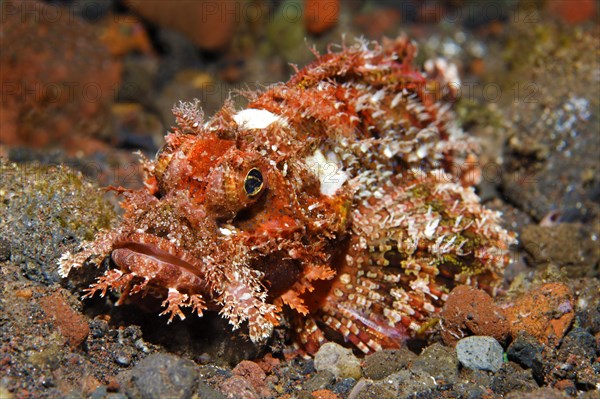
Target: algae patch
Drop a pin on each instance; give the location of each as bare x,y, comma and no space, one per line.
46,210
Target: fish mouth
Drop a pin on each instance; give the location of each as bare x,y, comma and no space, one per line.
157,255
160,261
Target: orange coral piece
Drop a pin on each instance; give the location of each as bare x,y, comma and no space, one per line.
72,325
545,313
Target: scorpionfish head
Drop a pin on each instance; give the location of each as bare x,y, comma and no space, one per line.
228,221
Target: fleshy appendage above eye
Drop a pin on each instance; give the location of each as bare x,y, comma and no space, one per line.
253,183
234,184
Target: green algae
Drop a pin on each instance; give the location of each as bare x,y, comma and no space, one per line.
46,210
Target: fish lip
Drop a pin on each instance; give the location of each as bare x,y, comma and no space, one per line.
162,250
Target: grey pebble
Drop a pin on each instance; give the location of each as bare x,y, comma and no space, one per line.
122,359
383,363
161,376
340,361
438,361
480,353
525,350
343,387
4,250
321,380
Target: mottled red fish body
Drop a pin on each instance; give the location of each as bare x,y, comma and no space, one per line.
339,200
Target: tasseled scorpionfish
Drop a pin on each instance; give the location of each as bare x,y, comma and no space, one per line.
332,200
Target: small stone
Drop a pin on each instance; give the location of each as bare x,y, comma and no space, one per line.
71,324
122,359
98,393
343,387
577,355
254,375
438,361
588,305
478,377
25,293
239,387
338,360
4,250
321,380
267,363
480,353
211,371
306,366
204,358
303,395
511,377
141,345
546,313
160,376
525,350
367,389
383,363
579,342
469,390
206,391
409,382
98,328
546,244
471,311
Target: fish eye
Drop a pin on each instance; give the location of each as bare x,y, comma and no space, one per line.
253,183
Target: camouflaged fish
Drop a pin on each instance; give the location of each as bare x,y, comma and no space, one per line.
340,201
